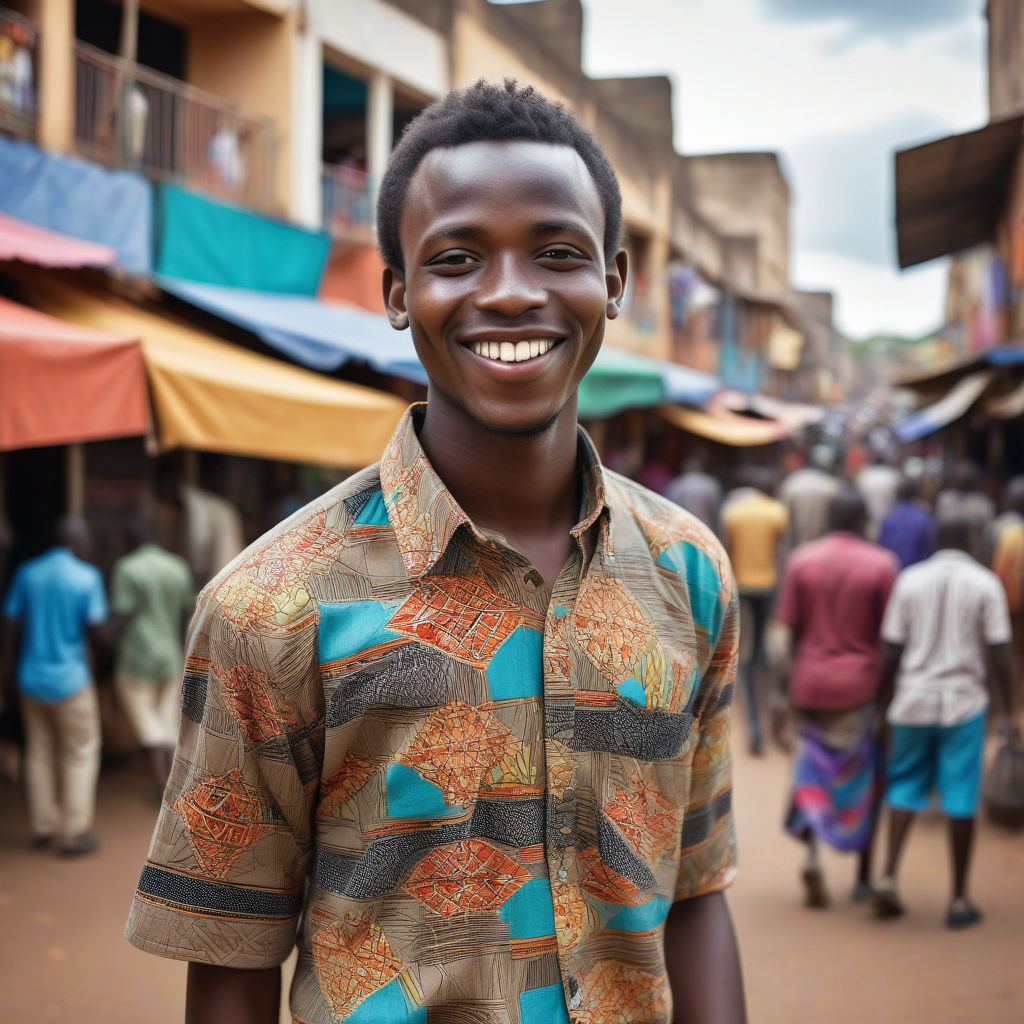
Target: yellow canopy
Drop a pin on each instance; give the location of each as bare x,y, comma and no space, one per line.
724,426
214,396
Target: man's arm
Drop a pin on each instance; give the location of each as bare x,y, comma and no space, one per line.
230,995
8,649
891,655
1002,675
703,962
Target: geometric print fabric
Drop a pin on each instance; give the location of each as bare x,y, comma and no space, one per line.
571,747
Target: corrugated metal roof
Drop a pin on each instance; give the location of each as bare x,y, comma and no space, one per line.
949,193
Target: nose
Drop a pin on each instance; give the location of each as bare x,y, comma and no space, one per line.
509,287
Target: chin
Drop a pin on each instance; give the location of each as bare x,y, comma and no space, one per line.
509,423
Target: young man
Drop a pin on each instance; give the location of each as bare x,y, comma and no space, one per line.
476,698
52,610
908,531
754,530
946,619
829,616
151,595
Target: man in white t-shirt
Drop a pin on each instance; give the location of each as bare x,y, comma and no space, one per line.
946,617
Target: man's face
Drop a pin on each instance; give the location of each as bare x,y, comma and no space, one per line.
505,285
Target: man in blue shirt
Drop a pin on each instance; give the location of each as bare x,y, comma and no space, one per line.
54,604
908,531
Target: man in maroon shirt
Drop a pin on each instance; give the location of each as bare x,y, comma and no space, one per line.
828,620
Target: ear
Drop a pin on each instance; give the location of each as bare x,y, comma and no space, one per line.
393,288
615,281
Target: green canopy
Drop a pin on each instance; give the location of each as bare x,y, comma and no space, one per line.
200,239
619,381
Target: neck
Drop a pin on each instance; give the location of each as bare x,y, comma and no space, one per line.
520,486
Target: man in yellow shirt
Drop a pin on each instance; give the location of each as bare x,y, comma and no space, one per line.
754,528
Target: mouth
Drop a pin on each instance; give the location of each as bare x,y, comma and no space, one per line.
513,351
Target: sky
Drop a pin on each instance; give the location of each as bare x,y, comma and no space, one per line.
835,87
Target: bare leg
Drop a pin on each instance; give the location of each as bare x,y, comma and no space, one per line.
961,832
899,827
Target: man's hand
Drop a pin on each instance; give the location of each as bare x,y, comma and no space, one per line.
781,724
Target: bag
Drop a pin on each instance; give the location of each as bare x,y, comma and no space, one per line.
1003,790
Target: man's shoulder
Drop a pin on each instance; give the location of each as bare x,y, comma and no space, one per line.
268,587
874,556
665,524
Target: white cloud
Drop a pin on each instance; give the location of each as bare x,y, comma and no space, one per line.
746,81
873,299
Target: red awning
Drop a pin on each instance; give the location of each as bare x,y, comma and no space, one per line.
61,383
20,240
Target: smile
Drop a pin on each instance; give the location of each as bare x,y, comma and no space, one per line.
513,351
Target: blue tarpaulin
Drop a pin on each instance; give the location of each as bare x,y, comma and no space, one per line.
324,336
317,334
80,199
200,239
954,404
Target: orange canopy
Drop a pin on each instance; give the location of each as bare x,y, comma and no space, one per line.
61,383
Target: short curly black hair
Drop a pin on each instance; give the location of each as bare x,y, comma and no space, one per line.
487,112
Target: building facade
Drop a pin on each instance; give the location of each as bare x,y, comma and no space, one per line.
291,110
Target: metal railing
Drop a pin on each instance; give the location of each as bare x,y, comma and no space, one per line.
19,42
169,130
349,197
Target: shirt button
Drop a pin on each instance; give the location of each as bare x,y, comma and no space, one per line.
563,874
565,830
569,795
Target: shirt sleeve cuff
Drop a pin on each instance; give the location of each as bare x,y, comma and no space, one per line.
185,918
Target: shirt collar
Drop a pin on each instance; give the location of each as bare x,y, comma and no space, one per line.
425,516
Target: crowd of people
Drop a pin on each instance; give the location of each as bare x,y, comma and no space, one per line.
874,624
877,623
62,632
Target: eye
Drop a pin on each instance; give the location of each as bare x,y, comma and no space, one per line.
563,253
453,258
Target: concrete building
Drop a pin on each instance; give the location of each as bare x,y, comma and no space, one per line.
292,109
198,94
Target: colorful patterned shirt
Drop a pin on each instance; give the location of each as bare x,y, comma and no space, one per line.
494,793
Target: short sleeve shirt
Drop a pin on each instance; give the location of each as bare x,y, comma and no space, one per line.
55,598
754,526
495,793
944,612
153,588
833,596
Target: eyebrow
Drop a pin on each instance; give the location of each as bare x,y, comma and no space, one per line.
464,232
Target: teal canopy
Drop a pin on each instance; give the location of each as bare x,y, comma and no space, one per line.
203,240
621,380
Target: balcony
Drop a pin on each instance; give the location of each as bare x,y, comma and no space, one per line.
18,66
349,196
171,131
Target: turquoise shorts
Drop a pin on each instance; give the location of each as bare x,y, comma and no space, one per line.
947,759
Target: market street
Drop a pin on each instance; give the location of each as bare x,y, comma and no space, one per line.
64,957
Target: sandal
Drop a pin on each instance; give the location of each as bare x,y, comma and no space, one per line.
962,914
885,900
815,893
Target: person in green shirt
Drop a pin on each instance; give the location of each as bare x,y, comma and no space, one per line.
151,597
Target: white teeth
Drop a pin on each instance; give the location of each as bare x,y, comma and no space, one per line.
513,351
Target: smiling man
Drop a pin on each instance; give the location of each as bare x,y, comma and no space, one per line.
461,725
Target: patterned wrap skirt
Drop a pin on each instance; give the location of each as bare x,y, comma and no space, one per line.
838,777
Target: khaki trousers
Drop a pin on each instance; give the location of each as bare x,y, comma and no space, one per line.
62,743
152,707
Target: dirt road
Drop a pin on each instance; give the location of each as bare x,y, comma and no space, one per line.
64,958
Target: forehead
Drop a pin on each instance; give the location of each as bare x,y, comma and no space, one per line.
501,182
